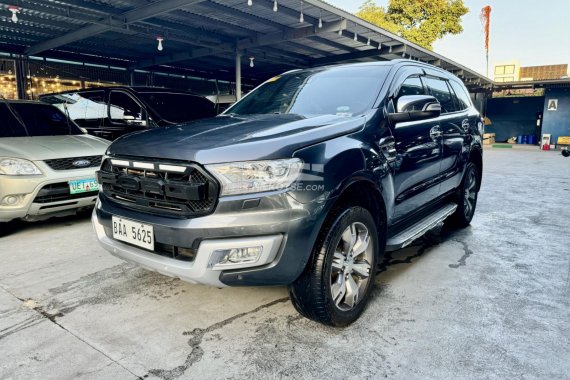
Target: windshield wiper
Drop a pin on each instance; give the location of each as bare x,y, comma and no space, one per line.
14,113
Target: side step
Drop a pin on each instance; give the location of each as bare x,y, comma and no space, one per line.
415,231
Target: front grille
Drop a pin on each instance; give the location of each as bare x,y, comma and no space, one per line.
56,192
172,189
74,163
174,252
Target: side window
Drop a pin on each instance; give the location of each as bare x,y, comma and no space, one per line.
462,97
411,86
123,109
439,89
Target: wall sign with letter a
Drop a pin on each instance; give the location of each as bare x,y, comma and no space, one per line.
552,104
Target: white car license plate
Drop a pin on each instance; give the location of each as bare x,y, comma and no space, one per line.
136,233
83,186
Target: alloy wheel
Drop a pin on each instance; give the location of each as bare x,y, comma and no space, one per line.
470,193
351,268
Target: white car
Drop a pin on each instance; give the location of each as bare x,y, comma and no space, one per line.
47,163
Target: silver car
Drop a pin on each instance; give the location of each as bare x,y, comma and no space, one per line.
47,163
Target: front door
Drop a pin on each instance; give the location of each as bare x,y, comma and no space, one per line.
418,155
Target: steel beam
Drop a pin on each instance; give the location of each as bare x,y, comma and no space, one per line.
370,53
270,39
238,75
120,21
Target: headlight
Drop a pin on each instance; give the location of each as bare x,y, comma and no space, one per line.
256,176
18,166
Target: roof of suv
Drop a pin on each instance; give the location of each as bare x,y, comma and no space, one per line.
394,62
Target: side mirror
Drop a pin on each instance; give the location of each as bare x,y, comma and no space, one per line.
415,107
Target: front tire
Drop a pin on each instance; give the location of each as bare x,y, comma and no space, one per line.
336,285
466,197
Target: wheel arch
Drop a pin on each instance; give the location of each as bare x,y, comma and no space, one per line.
476,157
364,193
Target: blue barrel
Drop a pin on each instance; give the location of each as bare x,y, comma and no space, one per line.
524,139
532,139
519,139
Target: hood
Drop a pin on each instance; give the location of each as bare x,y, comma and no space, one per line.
235,138
37,148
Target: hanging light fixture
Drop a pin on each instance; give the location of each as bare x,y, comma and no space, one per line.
301,16
379,45
15,10
251,64
355,36
275,7
160,39
389,51
340,28
320,19
250,2
368,41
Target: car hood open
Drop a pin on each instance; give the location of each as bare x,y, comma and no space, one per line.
50,147
235,138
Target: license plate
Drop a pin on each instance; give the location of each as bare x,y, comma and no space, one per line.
136,233
83,186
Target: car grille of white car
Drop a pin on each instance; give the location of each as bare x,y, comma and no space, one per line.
71,163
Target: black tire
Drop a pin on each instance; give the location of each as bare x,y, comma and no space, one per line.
336,261
466,198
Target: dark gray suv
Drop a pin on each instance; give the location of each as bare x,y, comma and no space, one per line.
305,182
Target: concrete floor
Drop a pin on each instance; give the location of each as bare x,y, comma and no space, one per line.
490,301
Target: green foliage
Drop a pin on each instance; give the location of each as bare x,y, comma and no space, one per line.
420,21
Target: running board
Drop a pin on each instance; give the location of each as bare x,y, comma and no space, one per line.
417,230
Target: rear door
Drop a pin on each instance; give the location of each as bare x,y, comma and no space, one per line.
418,149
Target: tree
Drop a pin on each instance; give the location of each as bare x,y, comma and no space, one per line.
420,21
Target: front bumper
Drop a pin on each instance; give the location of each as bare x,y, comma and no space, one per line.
27,189
287,230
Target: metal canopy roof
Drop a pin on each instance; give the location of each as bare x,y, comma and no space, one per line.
203,36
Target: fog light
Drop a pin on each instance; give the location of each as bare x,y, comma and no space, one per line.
226,257
11,200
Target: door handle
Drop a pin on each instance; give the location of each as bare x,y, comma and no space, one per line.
388,148
436,132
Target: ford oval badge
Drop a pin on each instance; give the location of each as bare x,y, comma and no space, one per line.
81,163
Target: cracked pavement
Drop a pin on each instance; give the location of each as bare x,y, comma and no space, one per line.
490,301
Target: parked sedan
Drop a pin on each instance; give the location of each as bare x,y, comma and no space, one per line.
47,163
111,112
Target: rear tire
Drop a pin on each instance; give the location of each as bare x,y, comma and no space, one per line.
336,284
466,198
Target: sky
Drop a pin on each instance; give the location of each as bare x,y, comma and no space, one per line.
533,32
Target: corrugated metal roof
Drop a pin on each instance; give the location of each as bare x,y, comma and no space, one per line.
204,35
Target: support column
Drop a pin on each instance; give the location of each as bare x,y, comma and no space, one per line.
238,75
20,71
131,77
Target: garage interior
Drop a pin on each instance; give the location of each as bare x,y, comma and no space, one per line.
492,299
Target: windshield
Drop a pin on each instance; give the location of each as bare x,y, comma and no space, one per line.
39,120
342,91
178,107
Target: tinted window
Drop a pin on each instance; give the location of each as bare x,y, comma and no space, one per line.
123,109
177,107
340,91
38,120
463,99
412,86
438,88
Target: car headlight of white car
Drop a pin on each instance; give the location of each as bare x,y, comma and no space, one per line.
256,176
18,166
